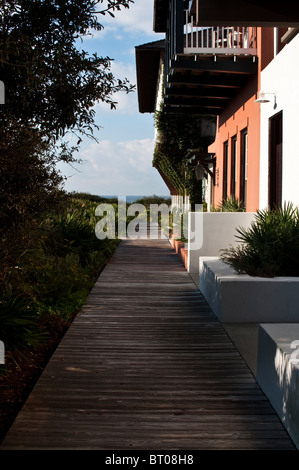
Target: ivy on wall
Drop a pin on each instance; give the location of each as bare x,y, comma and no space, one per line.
193,187
171,169
178,133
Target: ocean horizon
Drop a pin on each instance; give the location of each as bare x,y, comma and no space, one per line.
131,199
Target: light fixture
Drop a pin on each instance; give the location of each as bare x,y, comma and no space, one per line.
199,171
263,98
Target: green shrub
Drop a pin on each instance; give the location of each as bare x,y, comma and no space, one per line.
49,281
230,205
59,273
19,327
148,200
270,247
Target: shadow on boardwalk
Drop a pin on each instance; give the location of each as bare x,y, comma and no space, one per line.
146,365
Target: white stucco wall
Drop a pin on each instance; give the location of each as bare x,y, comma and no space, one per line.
213,231
282,76
159,92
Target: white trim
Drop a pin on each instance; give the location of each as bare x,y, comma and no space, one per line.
218,50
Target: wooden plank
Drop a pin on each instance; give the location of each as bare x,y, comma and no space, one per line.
146,365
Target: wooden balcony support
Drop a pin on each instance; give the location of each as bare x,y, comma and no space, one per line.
198,59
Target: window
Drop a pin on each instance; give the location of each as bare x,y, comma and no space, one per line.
225,170
243,167
233,179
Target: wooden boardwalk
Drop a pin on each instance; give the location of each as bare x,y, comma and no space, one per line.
146,365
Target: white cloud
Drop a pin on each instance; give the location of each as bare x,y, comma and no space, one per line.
137,19
122,162
123,168
125,155
126,102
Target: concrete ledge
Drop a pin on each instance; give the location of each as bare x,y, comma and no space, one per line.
278,372
215,231
236,298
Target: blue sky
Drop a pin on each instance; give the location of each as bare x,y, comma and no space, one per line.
121,162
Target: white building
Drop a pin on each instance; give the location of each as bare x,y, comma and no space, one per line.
279,138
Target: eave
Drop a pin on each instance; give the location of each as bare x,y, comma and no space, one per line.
205,85
264,13
173,191
148,58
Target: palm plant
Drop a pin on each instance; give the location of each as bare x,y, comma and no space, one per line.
270,246
230,205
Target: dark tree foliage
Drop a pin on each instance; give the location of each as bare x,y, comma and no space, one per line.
51,87
30,184
49,82
30,189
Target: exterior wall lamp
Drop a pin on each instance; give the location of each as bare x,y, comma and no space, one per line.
263,98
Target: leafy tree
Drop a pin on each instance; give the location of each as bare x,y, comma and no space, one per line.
30,184
50,83
30,188
51,89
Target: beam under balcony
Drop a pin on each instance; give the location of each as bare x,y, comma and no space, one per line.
214,64
205,84
265,13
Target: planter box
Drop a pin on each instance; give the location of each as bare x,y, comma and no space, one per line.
216,231
278,372
236,298
181,250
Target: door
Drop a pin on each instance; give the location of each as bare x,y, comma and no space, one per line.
243,167
275,161
233,179
225,172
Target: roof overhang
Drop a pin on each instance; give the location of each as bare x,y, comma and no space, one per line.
173,191
148,58
205,85
235,12
160,15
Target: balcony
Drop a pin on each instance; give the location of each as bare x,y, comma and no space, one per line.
219,40
264,13
205,66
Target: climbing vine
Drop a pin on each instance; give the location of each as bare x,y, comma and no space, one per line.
170,168
193,187
178,133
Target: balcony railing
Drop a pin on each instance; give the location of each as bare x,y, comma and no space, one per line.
215,40
218,40
185,36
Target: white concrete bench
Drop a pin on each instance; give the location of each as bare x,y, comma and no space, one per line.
216,231
278,372
236,298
